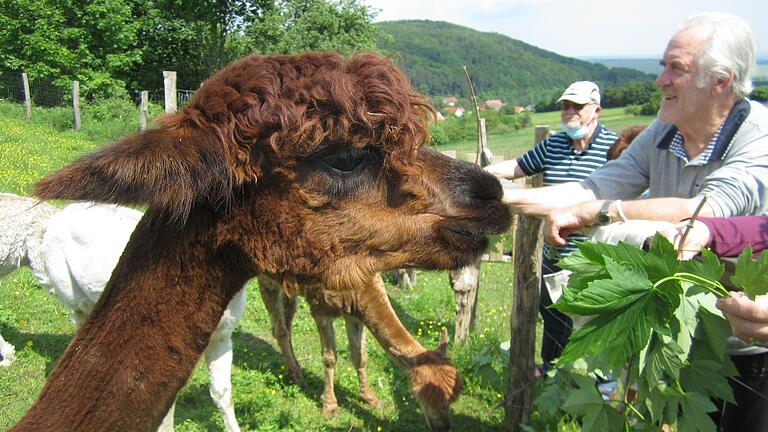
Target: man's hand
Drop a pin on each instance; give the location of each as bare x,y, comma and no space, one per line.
559,224
749,319
697,239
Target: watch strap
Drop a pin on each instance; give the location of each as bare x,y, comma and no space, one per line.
604,216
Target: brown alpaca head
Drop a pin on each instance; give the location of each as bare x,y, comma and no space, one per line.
625,139
435,382
312,166
308,168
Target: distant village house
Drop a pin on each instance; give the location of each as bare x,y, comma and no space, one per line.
456,111
494,104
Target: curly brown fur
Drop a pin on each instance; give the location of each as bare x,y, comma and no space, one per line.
625,139
240,123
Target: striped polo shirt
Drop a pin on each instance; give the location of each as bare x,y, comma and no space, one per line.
556,158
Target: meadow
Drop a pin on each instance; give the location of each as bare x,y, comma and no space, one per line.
513,144
265,399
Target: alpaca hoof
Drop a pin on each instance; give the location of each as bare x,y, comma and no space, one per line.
298,379
330,409
371,400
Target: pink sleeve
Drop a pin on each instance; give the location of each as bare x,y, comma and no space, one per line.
729,236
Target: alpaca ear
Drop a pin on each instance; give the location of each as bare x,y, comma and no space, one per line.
406,361
164,168
442,346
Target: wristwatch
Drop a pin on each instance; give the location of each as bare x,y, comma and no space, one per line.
604,217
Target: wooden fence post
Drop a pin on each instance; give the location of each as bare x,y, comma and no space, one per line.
143,109
466,281
169,81
498,253
518,401
27,97
76,103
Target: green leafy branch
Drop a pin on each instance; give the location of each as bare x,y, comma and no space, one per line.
652,321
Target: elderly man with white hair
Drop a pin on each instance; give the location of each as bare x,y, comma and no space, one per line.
709,140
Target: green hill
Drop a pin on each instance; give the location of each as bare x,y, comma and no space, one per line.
647,65
432,54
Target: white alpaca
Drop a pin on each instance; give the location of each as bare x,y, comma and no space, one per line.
72,252
23,224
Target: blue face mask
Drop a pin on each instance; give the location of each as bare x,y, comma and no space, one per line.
579,132
576,133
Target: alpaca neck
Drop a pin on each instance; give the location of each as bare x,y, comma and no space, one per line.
375,311
145,335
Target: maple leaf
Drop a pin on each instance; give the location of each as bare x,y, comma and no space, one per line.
597,414
750,275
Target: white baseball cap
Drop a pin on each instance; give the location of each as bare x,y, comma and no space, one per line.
581,92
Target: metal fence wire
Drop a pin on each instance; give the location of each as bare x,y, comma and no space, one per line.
43,91
182,97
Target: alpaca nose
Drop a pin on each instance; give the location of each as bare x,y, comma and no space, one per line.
470,184
439,422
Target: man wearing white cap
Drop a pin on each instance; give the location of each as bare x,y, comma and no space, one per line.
567,156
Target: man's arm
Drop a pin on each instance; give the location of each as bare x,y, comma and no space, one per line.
561,222
508,169
540,201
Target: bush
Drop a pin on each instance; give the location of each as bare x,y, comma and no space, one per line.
105,119
651,107
633,109
760,94
437,135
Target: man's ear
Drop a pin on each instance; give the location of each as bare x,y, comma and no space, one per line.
723,83
171,169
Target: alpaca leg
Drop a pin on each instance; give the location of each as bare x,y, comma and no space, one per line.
434,381
7,353
356,339
328,344
218,355
167,424
281,310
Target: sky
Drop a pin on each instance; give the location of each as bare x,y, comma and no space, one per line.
579,28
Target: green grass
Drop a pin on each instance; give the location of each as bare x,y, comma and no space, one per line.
265,400
37,324
516,143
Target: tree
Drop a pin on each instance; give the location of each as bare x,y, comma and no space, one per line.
111,45
92,41
293,26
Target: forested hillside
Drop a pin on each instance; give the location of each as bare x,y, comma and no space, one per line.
432,53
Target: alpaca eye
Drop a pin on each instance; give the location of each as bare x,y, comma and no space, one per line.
346,160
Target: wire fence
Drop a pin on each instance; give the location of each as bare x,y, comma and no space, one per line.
50,93
44,92
158,96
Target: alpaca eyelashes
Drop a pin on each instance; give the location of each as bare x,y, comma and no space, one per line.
344,162
339,171
348,160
